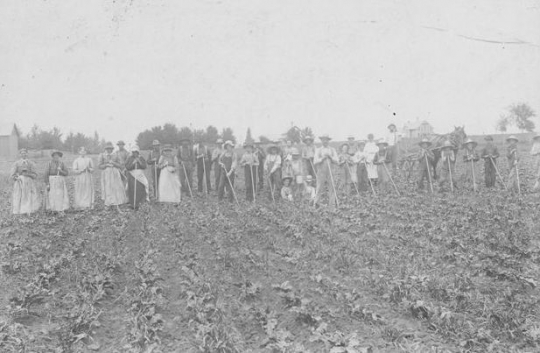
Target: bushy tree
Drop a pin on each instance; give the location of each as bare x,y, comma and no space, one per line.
520,115
228,134
212,134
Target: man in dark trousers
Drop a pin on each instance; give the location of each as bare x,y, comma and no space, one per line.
490,155
260,168
187,160
152,161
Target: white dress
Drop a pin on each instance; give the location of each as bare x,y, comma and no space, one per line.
84,183
370,150
26,198
169,182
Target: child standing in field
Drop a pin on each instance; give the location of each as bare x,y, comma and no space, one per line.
535,153
513,159
309,191
26,198
425,159
470,158
448,159
383,161
490,155
286,190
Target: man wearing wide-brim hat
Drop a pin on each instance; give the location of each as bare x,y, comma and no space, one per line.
152,161
490,154
203,160
360,159
325,158
216,152
308,153
272,170
425,160
382,160
261,155
186,159
470,157
122,153
448,160
512,155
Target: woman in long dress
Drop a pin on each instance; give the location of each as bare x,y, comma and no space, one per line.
370,150
112,186
169,182
137,182
55,180
83,167
26,198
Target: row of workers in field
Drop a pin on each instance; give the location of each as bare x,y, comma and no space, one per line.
290,172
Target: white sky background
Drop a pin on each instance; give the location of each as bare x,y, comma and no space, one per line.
341,66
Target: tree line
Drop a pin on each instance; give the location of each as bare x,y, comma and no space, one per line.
54,139
171,134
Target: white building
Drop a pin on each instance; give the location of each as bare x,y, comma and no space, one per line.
416,129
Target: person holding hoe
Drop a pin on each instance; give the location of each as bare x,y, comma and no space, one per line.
272,168
112,185
535,153
169,182
227,162
137,183
361,167
286,190
512,155
489,155
83,167
308,153
186,160
55,180
26,198
204,166
425,158
261,155
470,158
382,161
326,157
216,153
250,162
448,158
152,161
346,162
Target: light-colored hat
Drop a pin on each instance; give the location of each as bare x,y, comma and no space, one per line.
287,177
23,150
344,145
391,124
271,147
425,141
382,142
167,148
59,153
361,142
350,137
295,151
309,178
447,145
325,137
184,140
155,143
120,143
249,144
228,143
469,141
135,149
310,138
109,145
512,137
219,141
82,150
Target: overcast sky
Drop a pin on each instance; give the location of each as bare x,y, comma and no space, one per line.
342,66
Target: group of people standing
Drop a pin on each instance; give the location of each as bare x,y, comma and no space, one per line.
293,173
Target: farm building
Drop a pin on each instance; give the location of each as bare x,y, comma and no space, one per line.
9,141
416,129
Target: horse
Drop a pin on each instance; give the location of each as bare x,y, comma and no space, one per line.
456,138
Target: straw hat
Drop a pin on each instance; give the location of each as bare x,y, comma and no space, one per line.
425,141
82,150
512,138
325,137
391,124
25,150
155,143
469,141
109,145
309,179
120,143
287,177
382,142
447,145
220,141
228,143
271,147
295,151
167,148
59,153
135,149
